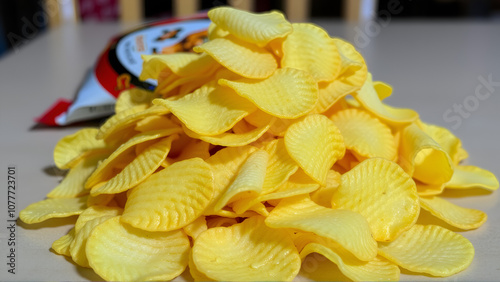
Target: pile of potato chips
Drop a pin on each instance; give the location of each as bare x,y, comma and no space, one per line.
270,143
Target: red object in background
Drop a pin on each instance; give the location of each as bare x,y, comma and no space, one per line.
100,10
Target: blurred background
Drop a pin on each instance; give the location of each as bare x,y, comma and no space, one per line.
23,20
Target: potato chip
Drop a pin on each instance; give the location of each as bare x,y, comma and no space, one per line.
463,218
194,149
73,184
100,200
196,227
425,189
209,111
153,123
396,117
468,176
429,249
149,255
195,273
376,188
214,31
288,93
315,143
323,195
423,158
70,149
365,135
248,181
123,154
349,229
53,208
181,64
124,119
254,28
377,269
94,212
449,142
310,48
277,128
232,139
133,97
171,198
79,243
240,57
246,251
138,170
61,245
353,69
280,167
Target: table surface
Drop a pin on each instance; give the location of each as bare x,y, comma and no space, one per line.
433,67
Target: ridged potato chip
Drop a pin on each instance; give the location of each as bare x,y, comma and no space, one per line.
240,57
181,63
280,166
248,181
449,142
254,28
246,251
172,198
61,245
463,218
377,269
73,184
365,135
383,193
315,143
209,111
429,249
423,158
71,148
468,176
149,255
287,93
323,195
310,48
93,212
133,97
138,170
53,208
349,229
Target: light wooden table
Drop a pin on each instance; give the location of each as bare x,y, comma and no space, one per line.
434,68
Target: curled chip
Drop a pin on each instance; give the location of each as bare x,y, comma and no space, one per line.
268,154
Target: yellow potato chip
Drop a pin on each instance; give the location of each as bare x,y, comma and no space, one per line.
194,149
61,245
349,229
423,158
73,184
180,63
278,128
396,117
468,176
53,208
138,170
323,195
377,269
232,139
149,255
315,143
365,135
79,243
123,155
353,69
425,189
214,31
171,198
429,249
376,188
449,142
94,212
310,48
254,28
280,167
288,93
463,218
133,97
196,227
100,200
209,111
153,123
70,149
240,57
123,120
195,273
246,251
248,181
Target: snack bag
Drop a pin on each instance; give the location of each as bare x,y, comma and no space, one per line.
120,64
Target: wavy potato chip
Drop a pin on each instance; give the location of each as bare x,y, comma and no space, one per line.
429,249
452,214
70,149
61,245
315,143
383,193
171,198
468,176
149,255
133,97
243,252
53,208
254,28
